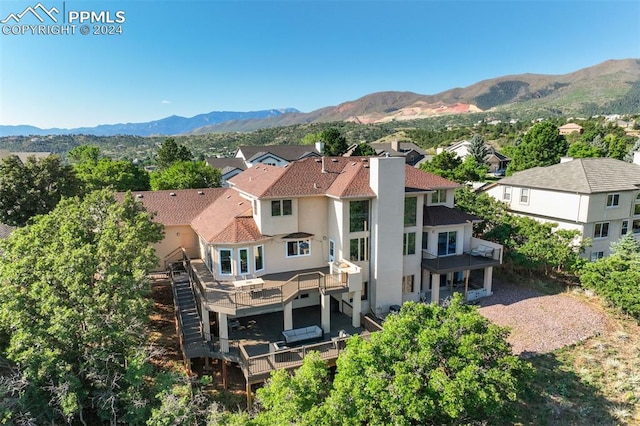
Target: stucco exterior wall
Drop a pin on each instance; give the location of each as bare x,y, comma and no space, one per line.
174,238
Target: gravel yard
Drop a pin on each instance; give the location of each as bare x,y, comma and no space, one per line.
541,323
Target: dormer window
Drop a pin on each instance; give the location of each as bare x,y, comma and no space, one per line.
281,208
439,197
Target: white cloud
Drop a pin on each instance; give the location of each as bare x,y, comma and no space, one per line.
165,102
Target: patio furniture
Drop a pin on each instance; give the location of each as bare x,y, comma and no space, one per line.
234,324
279,351
482,250
301,335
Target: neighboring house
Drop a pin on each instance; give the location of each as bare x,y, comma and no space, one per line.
5,230
494,159
277,155
229,167
344,236
570,128
23,155
599,197
411,152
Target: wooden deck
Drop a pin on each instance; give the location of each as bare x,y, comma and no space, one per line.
463,262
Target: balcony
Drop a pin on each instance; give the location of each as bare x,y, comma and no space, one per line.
475,258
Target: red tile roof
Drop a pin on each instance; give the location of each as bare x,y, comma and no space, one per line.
176,207
227,220
335,176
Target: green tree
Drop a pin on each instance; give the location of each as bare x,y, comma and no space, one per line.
170,152
73,301
470,171
363,149
185,175
616,146
97,172
335,144
84,154
294,398
311,138
478,149
443,164
33,188
541,146
584,150
430,365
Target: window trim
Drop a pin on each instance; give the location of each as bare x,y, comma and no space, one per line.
220,271
365,222
408,247
596,255
298,245
278,207
261,257
332,250
362,249
614,196
524,197
624,227
439,196
412,210
604,230
506,193
246,250
408,280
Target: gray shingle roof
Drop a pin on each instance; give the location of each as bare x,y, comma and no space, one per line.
286,152
582,175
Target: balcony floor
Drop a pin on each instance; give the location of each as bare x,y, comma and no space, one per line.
463,262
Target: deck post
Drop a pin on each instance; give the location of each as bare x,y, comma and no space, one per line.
224,375
357,308
206,324
223,332
249,396
488,279
325,315
288,315
435,288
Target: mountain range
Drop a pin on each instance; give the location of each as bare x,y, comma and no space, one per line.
610,87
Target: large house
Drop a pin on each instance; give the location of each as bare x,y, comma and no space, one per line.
272,155
599,197
494,159
411,152
356,235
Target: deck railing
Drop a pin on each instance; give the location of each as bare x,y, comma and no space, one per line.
234,299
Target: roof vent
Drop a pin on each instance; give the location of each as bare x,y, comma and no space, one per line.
315,186
200,192
139,196
228,196
173,194
334,160
240,203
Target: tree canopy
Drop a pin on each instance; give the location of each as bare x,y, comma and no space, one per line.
449,166
185,175
335,144
33,188
363,149
478,149
541,146
73,305
430,365
170,152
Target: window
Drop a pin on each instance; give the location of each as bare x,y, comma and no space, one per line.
410,206
409,244
597,255
298,248
524,196
258,258
636,210
636,226
601,230
243,261
425,240
625,227
365,291
407,284
281,208
613,200
358,249
439,197
358,215
447,243
506,193
332,250
225,261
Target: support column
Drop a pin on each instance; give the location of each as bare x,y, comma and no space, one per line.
223,332
488,279
206,323
288,316
357,308
224,375
435,288
325,316
249,397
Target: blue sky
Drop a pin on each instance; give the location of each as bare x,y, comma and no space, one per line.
191,57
